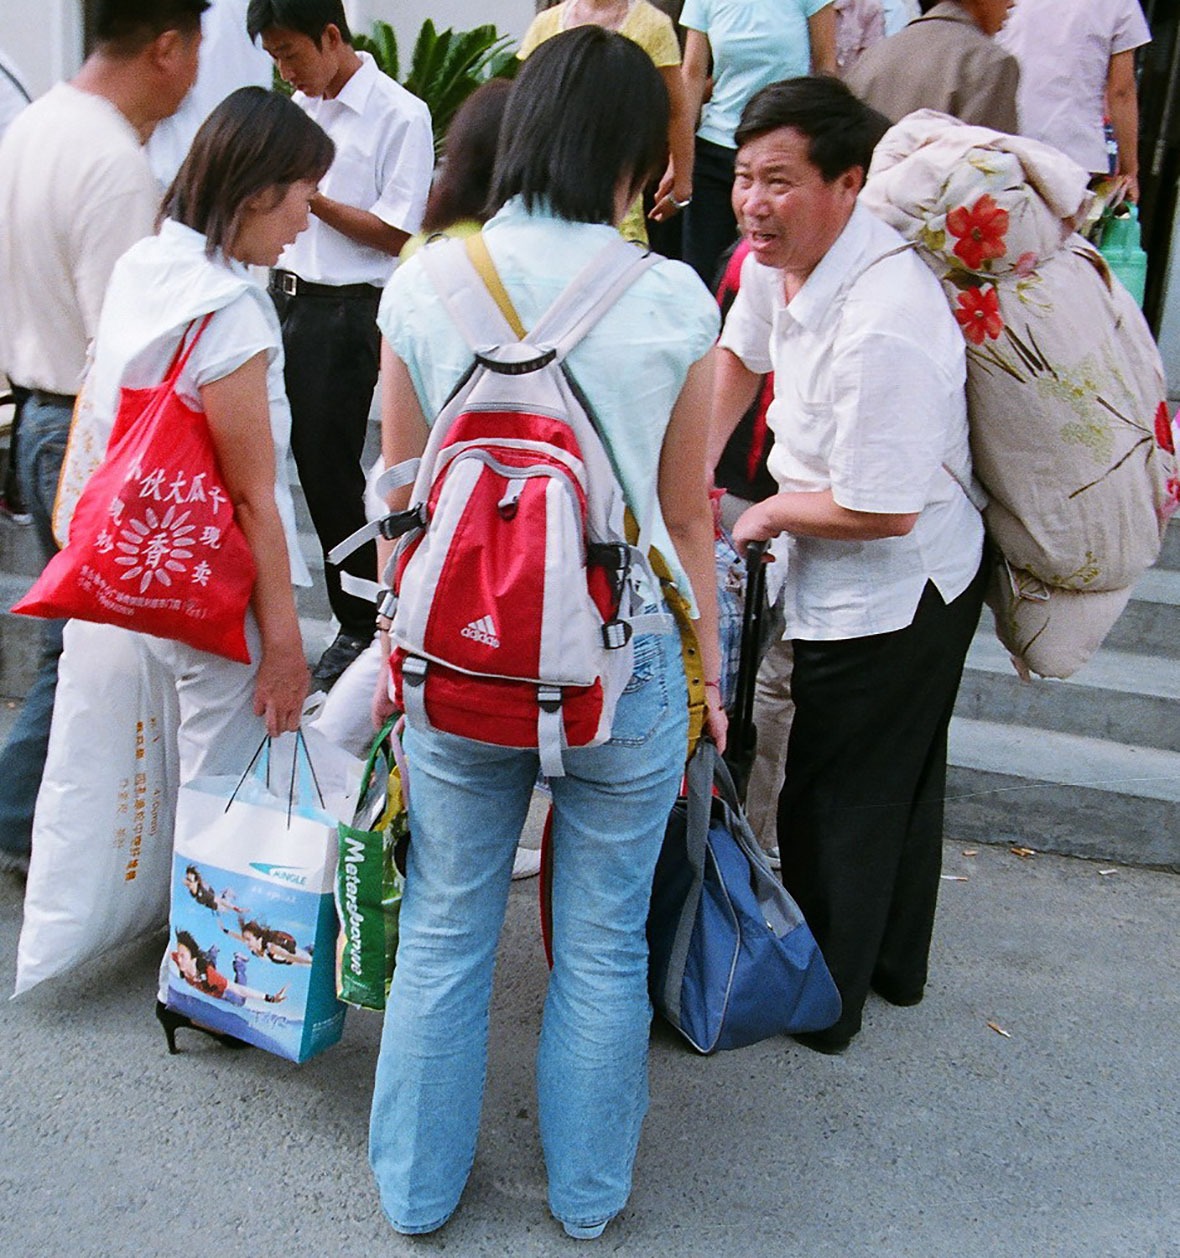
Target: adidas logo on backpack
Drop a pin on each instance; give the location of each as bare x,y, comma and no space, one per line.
482,630
515,585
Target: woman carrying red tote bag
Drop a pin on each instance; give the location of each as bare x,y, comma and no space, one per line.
154,545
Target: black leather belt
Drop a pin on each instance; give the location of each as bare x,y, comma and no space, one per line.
291,285
42,398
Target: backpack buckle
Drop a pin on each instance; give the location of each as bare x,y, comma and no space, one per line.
400,522
616,634
386,603
549,699
413,670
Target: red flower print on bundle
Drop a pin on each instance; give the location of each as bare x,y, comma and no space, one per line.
980,230
979,314
1163,429
1172,501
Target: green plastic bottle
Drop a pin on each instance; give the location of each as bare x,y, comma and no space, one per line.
1123,252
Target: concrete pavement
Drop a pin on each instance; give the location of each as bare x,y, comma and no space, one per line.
935,1136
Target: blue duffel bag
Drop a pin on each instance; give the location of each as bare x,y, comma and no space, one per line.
732,960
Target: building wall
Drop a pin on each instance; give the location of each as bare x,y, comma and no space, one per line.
406,16
44,37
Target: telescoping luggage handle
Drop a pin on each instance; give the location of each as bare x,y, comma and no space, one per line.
742,737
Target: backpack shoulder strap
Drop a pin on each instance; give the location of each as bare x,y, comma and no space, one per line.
591,293
471,305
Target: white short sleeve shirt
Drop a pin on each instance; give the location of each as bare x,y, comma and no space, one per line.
1064,50
869,403
384,163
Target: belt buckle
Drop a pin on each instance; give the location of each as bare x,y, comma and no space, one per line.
288,284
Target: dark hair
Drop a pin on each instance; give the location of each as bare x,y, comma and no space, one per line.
841,129
587,109
200,959
124,27
252,141
307,17
469,157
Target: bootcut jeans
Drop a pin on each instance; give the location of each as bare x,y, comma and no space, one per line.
468,802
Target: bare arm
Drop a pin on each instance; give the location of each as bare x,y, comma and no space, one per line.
1122,102
735,387
404,432
238,415
684,503
677,181
694,71
816,515
821,29
358,225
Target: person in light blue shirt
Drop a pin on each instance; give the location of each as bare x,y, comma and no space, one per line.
584,129
744,46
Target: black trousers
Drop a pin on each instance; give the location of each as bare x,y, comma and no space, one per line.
861,811
709,226
332,351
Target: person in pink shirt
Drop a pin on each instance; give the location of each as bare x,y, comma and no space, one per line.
1077,64
859,25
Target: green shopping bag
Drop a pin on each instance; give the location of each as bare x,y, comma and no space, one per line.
368,881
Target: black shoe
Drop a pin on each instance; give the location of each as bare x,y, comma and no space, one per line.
172,1021
904,1000
828,1042
344,649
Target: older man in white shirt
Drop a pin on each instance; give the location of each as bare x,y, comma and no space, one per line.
881,544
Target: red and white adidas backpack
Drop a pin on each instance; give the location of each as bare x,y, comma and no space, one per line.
516,589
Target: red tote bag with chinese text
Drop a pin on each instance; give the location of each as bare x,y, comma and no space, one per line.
153,542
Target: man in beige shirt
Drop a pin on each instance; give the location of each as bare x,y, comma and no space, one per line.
76,191
948,60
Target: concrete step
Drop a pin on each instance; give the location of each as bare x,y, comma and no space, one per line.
1150,624
20,551
1170,551
1123,696
20,639
1063,793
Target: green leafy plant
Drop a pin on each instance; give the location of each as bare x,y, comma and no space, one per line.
445,67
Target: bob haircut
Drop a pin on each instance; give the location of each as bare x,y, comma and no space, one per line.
841,130
469,158
252,141
587,110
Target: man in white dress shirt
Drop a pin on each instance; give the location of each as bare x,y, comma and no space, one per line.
328,284
881,544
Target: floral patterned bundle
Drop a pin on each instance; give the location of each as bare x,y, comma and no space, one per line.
1070,432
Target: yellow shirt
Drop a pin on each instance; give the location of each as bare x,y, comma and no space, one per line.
644,24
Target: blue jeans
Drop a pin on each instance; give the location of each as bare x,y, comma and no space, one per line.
468,804
44,431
